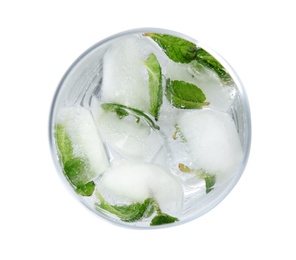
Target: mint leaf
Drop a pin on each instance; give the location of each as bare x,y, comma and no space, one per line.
206,59
120,110
128,213
210,179
163,218
86,189
75,169
121,113
63,143
177,49
137,211
185,95
183,51
125,110
155,84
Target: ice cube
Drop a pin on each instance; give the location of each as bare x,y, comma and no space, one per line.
213,140
138,181
125,77
85,138
135,140
220,96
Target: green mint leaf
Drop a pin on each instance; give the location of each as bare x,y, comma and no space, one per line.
155,84
125,110
86,189
128,213
210,179
120,111
137,211
163,218
185,95
206,59
76,169
177,49
63,143
183,51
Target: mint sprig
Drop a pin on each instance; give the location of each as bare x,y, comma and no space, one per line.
123,111
155,84
185,95
210,179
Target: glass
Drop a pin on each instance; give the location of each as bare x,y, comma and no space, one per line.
150,128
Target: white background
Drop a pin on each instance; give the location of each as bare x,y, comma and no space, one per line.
40,219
